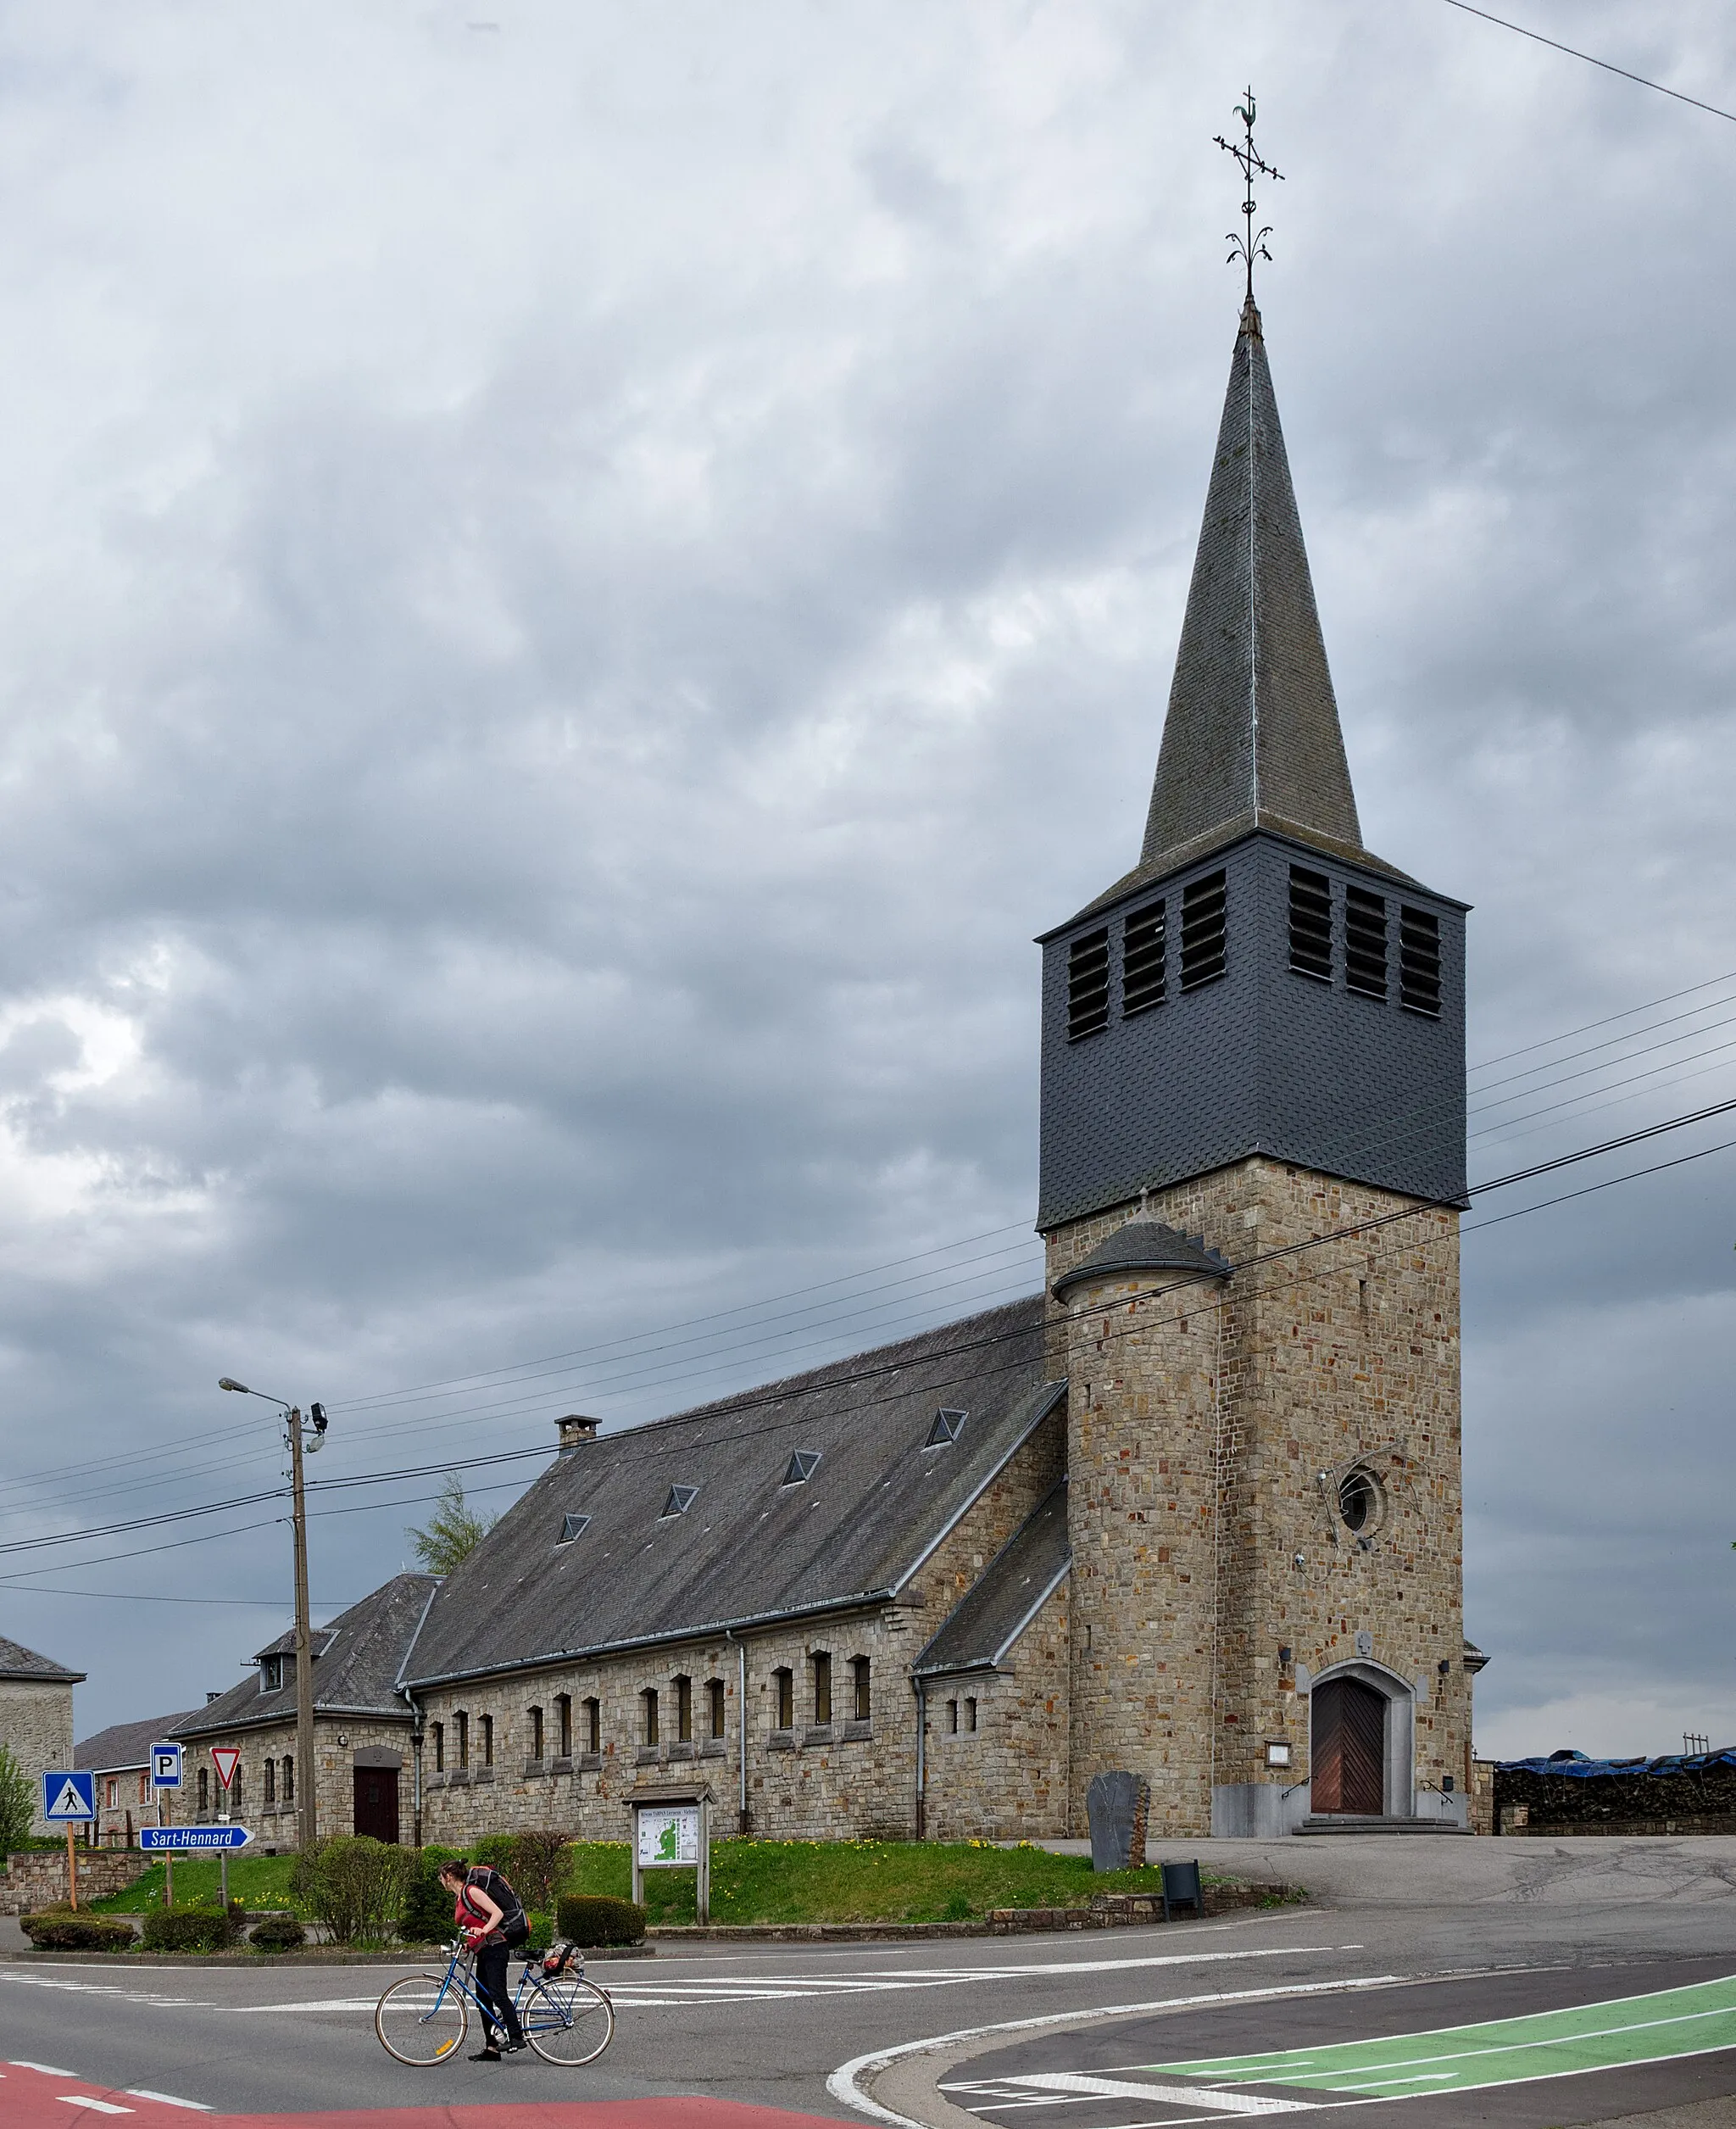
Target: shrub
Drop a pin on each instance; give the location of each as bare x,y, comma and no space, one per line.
278,1933
536,1865
542,1928
495,1850
188,1928
427,1915
59,1929
596,1918
18,1802
356,1885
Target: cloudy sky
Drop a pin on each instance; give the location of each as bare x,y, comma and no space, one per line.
574,584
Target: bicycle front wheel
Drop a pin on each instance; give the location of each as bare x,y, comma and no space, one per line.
568,2020
421,2020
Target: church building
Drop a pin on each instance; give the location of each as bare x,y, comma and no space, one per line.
1193,1512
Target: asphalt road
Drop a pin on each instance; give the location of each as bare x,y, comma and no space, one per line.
1409,1946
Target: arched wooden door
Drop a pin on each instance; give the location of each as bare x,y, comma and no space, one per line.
1347,1748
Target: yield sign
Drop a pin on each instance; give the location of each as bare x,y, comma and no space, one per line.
225,1758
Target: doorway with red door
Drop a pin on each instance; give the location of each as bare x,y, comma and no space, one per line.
376,1799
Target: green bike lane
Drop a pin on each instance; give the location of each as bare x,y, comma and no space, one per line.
1524,2047
1655,2026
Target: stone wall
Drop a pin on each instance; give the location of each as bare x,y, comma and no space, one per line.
264,1807
37,1878
1214,1578
810,1781
997,1759
36,1724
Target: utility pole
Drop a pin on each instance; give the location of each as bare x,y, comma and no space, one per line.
307,1783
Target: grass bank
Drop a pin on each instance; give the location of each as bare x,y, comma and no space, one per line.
751,1881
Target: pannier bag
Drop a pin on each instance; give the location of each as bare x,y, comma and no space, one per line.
558,1957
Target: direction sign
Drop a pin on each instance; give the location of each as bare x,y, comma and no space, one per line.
165,1766
225,1758
68,1797
204,1839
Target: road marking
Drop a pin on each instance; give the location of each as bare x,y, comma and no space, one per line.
845,2085
47,2069
663,1995
1228,2103
99,1988
97,2106
1612,2034
168,2100
330,2003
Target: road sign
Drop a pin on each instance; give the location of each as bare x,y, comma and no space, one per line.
202,1840
68,1797
165,1766
225,1758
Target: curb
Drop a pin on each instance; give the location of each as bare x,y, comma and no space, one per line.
1107,1911
410,1955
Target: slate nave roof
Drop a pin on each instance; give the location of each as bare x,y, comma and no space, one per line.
747,1547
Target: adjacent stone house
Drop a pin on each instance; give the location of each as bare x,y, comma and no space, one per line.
362,1725
120,1759
35,1714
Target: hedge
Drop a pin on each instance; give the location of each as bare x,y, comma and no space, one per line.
592,1919
59,1929
191,1929
277,1933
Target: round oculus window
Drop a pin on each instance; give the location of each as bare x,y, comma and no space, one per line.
1359,1502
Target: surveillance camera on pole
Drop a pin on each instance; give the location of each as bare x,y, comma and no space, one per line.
301,1436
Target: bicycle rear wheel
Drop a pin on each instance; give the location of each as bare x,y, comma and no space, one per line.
418,2023
567,2020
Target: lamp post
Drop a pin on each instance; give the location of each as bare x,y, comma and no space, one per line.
293,1425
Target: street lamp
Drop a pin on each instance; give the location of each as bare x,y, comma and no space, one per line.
301,1435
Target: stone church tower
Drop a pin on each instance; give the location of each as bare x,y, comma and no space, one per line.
1253,1160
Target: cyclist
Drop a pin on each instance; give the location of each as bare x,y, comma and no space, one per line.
491,1917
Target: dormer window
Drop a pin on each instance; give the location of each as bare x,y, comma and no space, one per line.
681,1499
270,1674
947,1426
801,1466
572,1526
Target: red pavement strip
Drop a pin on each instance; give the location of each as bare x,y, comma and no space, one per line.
33,2098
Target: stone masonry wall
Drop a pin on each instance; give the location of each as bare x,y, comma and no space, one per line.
36,1722
274,1824
810,1782
1003,1777
1344,1353
37,1878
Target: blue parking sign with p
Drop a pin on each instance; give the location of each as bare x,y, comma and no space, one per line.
165,1766
68,1797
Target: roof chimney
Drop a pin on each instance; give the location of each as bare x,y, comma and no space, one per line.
573,1428
209,1697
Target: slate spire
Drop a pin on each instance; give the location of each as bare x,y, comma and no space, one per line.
1251,737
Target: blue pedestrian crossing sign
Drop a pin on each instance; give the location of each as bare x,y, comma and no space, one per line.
165,1766
68,1797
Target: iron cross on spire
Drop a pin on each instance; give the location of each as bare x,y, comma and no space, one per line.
1251,243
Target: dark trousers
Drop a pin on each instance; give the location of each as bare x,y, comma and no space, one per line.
497,1997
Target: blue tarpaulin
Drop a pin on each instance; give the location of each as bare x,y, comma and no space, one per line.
1576,1765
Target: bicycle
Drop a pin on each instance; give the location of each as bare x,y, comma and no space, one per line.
422,2019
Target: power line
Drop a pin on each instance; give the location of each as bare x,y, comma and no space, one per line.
776,1393
1627,75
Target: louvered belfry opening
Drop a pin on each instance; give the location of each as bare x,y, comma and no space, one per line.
1204,909
1144,959
1365,942
1420,962
1347,1748
1311,924
1087,984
